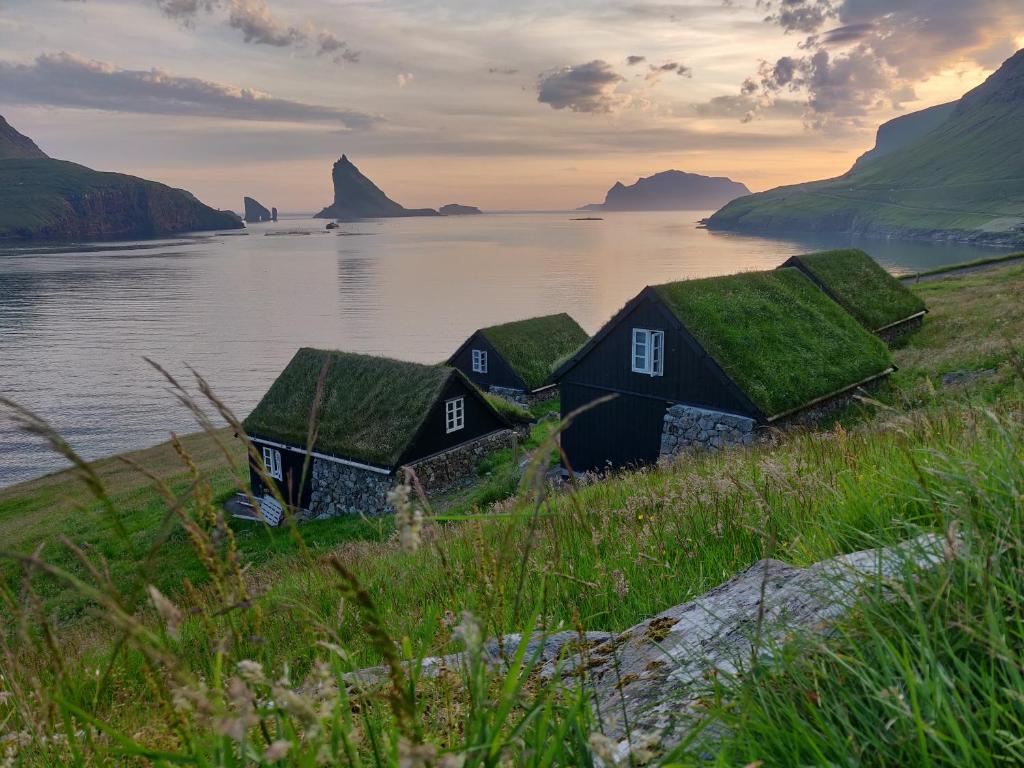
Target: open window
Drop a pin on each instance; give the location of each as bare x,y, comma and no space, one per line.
454,414
479,361
272,462
648,352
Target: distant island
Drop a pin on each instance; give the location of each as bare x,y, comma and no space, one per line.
454,209
951,172
670,191
43,198
255,212
356,197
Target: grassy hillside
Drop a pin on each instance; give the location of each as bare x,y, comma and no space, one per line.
155,681
54,199
962,180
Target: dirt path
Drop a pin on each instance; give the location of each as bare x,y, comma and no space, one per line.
964,270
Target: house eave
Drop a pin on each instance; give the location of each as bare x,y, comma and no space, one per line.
317,455
907,319
837,393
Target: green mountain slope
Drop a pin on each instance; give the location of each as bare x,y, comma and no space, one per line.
962,180
43,198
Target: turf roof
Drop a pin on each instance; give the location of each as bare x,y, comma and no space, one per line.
776,335
531,347
862,286
371,408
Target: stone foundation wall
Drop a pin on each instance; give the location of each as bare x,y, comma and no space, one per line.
896,332
525,399
688,428
340,489
454,467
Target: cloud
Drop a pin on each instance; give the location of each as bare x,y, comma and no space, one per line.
589,87
632,61
886,49
502,71
404,78
259,26
657,70
66,80
744,107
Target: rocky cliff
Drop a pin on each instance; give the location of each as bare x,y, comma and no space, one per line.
356,197
254,212
454,209
14,145
42,198
943,174
671,191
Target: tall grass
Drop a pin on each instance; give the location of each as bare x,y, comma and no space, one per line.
252,667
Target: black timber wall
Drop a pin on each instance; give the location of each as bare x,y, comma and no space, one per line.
292,463
627,430
499,373
432,438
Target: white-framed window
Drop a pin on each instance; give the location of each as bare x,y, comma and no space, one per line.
272,461
479,361
454,414
648,353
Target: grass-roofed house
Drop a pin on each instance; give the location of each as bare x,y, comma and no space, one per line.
862,287
373,417
704,363
514,360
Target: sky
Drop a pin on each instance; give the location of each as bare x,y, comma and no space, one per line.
513,105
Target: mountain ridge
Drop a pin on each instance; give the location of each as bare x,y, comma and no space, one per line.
670,190
356,197
962,180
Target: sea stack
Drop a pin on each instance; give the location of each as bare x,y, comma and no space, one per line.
356,197
273,214
255,213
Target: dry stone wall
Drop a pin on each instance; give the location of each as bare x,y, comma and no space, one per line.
341,489
525,399
451,468
688,428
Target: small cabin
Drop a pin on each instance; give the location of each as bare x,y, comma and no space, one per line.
862,287
371,418
704,364
515,360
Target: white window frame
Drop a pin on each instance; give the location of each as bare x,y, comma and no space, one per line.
479,361
647,352
272,462
454,414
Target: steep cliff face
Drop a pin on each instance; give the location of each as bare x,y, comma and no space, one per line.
671,191
57,200
356,197
254,212
14,145
54,199
958,180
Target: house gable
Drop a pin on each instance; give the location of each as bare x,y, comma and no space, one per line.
499,372
689,376
478,418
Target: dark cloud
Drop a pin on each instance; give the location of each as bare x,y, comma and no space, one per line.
66,80
257,25
632,61
589,87
670,67
745,107
887,48
502,71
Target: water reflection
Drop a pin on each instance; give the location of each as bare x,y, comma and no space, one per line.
76,322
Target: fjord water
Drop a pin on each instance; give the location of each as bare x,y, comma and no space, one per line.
76,321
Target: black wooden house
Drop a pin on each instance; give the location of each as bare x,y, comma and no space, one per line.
704,363
373,417
515,359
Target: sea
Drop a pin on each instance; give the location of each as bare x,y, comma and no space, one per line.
77,321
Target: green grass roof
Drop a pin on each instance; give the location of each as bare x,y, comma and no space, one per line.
863,287
371,408
532,346
776,335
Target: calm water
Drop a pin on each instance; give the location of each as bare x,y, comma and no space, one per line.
76,322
